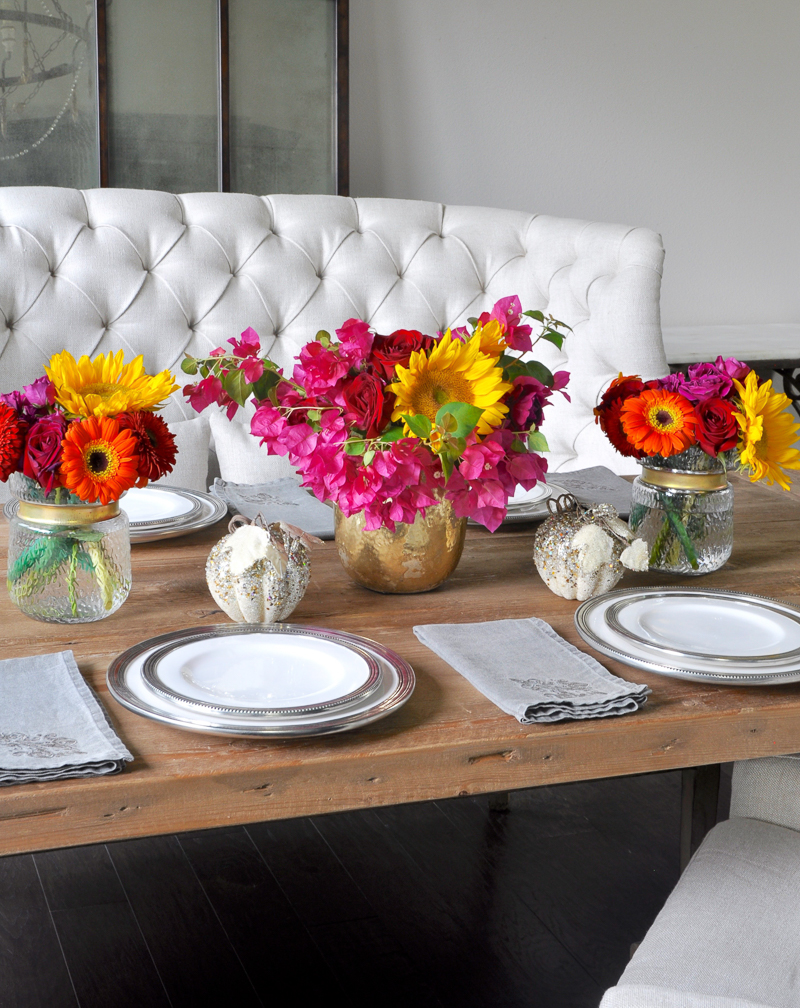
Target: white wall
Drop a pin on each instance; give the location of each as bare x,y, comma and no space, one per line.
680,115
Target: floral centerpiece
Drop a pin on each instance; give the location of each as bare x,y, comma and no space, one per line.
688,430
391,424
76,439
388,426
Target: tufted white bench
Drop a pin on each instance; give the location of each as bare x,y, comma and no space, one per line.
160,274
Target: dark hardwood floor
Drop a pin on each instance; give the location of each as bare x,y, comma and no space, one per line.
447,903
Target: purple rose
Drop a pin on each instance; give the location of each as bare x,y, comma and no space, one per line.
706,381
34,400
733,368
672,383
42,458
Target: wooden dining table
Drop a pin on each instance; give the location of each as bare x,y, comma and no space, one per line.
447,740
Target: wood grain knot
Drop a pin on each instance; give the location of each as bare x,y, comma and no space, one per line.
505,755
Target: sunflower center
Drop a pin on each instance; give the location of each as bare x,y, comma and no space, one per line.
101,460
103,389
435,388
664,420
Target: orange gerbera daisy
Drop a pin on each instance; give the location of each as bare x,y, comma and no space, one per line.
658,422
99,460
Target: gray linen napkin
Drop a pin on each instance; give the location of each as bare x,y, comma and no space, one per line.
596,485
279,500
524,667
51,724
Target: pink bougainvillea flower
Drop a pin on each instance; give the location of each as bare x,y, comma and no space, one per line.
318,368
355,341
248,345
204,393
252,368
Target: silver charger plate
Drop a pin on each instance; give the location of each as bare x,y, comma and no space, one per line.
725,618
211,511
592,625
152,673
126,685
529,512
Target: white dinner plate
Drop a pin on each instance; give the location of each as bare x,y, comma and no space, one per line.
127,686
722,628
539,493
593,624
274,669
152,505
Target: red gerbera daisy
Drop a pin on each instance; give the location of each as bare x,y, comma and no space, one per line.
607,412
12,431
156,444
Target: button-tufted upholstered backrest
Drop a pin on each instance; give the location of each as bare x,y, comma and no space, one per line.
159,274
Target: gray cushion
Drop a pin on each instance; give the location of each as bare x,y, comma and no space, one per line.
656,997
768,789
731,927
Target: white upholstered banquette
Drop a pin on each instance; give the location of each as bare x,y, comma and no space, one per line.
160,274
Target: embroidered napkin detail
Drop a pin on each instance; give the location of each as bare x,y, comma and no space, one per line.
51,724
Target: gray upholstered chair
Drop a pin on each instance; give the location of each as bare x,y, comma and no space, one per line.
729,935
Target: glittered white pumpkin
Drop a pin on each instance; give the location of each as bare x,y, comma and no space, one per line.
258,573
581,553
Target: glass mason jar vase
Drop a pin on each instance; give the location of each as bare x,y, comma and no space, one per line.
682,506
68,561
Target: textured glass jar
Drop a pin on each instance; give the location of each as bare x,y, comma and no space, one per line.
68,561
682,506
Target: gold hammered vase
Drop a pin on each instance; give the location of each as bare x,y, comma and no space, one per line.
413,558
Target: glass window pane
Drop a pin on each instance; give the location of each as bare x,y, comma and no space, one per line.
282,102
162,88
48,94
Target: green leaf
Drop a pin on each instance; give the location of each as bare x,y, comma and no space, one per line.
314,415
237,386
323,337
537,442
354,447
465,415
473,322
535,369
265,384
369,456
419,424
517,445
392,434
447,465
204,370
189,365
534,315
557,339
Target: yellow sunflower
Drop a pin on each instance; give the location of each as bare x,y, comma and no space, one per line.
451,372
106,386
491,338
766,432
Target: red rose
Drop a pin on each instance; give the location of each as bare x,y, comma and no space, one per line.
717,430
389,351
366,407
42,458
